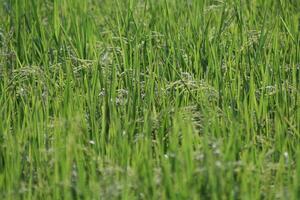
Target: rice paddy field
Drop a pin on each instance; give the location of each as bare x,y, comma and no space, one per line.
149,99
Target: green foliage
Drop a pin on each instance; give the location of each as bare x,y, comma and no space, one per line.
149,99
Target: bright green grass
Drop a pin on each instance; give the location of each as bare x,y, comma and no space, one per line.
149,99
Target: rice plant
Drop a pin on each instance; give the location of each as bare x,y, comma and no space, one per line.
149,99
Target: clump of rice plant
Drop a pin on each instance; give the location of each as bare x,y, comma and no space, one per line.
149,99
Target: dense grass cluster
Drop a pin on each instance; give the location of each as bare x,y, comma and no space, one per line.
149,99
